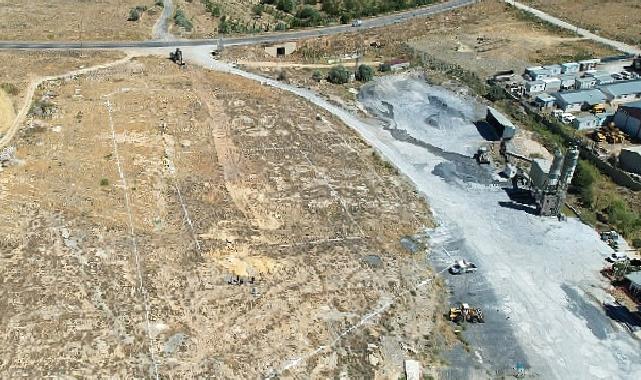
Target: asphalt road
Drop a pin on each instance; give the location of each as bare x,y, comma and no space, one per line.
248,40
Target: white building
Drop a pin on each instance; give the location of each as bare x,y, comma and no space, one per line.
568,81
544,101
534,87
552,84
553,69
569,68
586,123
585,83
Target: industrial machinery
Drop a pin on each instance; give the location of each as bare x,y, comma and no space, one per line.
598,108
177,57
482,156
462,266
610,134
550,184
465,313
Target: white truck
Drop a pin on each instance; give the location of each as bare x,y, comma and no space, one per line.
462,266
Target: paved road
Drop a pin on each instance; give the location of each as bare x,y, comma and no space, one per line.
580,31
248,40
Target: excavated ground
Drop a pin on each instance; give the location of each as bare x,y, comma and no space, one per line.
127,212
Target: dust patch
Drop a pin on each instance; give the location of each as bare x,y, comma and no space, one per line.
240,260
7,114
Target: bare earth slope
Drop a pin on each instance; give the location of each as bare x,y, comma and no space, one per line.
75,20
150,187
616,19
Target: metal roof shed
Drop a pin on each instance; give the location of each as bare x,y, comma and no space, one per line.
623,88
504,126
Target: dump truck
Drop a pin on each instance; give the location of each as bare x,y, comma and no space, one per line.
462,266
465,313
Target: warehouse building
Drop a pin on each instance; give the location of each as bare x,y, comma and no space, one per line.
575,101
630,159
502,125
628,119
622,92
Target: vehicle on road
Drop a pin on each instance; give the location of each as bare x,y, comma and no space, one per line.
465,313
357,23
462,266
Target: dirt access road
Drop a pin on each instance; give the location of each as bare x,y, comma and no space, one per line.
161,27
623,47
30,91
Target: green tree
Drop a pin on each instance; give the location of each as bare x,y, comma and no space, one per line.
623,218
285,5
317,76
134,15
364,73
584,179
338,74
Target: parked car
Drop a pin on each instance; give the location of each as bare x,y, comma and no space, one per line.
617,257
567,118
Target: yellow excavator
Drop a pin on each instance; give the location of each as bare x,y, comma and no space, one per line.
598,108
465,313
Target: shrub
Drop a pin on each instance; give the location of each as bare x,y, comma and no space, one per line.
308,12
584,179
104,182
182,21
625,220
364,73
317,76
10,88
338,75
282,75
285,5
134,15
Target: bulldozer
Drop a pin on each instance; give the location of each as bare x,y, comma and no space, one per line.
610,134
465,313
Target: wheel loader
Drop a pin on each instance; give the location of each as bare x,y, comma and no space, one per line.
465,313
